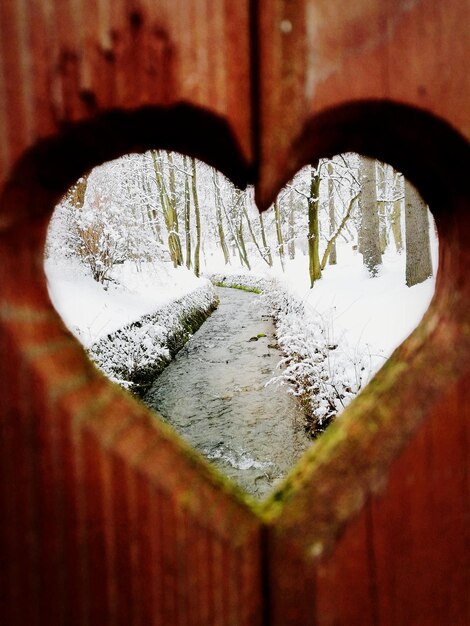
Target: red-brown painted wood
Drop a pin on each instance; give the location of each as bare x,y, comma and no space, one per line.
380,516
325,54
106,517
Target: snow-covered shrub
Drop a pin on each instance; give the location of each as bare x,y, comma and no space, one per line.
321,369
241,281
105,220
134,355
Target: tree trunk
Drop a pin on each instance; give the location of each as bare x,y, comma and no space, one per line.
396,225
198,220
418,249
291,244
152,213
280,241
173,217
338,232
220,225
267,249
187,213
332,259
235,229
241,242
381,170
370,227
381,208
252,234
237,199
313,227
174,244
398,190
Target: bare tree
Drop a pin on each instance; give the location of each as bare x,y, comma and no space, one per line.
332,215
291,242
418,250
396,211
197,219
187,213
169,212
267,249
280,240
369,244
335,235
313,226
219,220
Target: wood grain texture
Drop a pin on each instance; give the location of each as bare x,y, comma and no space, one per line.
378,511
81,461
107,517
63,61
326,54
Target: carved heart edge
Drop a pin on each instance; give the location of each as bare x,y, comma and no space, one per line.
351,462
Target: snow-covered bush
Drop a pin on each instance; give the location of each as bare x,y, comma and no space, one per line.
134,355
241,281
105,220
321,369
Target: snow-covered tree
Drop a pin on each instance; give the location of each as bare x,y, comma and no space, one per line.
369,245
164,205
418,249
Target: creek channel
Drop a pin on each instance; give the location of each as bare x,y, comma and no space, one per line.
214,394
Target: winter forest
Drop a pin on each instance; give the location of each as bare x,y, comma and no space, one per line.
162,206
140,249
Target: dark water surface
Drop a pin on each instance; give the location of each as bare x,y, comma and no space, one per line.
214,394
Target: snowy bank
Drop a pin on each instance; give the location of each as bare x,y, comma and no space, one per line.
135,355
133,328
92,311
249,282
336,335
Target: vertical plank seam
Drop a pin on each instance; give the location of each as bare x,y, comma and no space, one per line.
83,593
254,70
372,562
33,492
4,145
467,499
265,572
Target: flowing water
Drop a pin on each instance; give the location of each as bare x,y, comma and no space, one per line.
214,394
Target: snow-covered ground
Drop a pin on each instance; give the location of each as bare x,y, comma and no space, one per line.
134,327
338,334
376,314
91,312
335,336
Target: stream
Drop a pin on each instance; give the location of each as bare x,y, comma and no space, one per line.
214,394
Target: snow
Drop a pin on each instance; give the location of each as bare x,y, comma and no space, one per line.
135,354
376,314
336,335
91,312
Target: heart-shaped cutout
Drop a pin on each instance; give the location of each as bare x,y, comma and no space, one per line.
215,392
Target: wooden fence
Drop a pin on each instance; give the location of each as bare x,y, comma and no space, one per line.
106,516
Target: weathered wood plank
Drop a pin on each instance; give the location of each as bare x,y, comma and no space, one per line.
108,518
326,54
397,462
65,61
